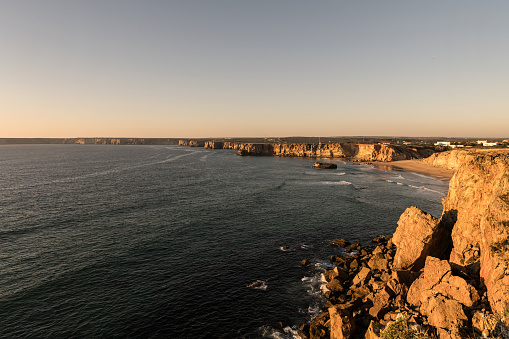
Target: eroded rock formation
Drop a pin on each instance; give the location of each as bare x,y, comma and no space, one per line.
359,152
456,291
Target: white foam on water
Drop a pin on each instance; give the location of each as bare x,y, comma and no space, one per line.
316,284
324,265
285,333
342,182
343,173
286,249
306,247
424,188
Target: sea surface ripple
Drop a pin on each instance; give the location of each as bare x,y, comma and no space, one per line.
167,241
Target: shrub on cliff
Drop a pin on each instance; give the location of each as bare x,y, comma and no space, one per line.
402,328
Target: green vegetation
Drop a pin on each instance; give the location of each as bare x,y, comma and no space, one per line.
402,328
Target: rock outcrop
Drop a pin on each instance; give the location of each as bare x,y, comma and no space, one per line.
214,144
477,206
419,235
324,165
417,277
358,152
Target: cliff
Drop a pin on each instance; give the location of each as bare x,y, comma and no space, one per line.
446,277
477,206
357,152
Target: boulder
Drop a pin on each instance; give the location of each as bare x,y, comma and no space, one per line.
324,165
342,325
419,235
362,277
378,262
335,286
305,262
353,247
319,328
340,242
444,313
437,279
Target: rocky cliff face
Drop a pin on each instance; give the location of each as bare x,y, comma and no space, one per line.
450,276
477,206
359,152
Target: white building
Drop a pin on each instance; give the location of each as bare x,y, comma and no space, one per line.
443,143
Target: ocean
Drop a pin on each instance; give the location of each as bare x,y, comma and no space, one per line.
102,241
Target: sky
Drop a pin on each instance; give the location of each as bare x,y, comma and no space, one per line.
259,68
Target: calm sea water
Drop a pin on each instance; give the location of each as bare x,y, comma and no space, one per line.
162,241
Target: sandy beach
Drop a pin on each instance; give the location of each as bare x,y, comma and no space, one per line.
416,166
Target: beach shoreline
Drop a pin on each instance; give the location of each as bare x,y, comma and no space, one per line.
416,166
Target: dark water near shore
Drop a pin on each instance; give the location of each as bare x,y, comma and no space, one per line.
161,241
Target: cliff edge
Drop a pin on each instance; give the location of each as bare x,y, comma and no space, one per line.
356,152
446,277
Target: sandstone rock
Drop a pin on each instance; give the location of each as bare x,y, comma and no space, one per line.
378,262
354,265
335,285
319,328
353,247
340,242
437,279
485,323
373,331
477,205
458,289
362,277
434,271
419,235
405,277
342,325
444,313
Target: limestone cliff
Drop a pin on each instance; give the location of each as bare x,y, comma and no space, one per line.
358,152
477,206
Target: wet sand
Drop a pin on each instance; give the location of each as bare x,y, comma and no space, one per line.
416,166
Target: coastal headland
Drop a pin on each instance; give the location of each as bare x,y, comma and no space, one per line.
445,277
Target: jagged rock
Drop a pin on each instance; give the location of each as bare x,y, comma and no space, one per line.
382,297
405,277
324,165
419,235
359,292
444,313
319,328
337,272
362,277
340,242
335,285
354,265
477,206
484,323
353,247
373,331
378,262
342,325
436,279
305,262
458,289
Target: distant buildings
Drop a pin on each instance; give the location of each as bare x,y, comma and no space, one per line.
485,143
443,143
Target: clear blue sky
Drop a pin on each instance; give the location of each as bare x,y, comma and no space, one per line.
229,68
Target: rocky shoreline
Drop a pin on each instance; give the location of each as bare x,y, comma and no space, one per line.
446,278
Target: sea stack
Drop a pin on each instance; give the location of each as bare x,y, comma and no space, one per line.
325,165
